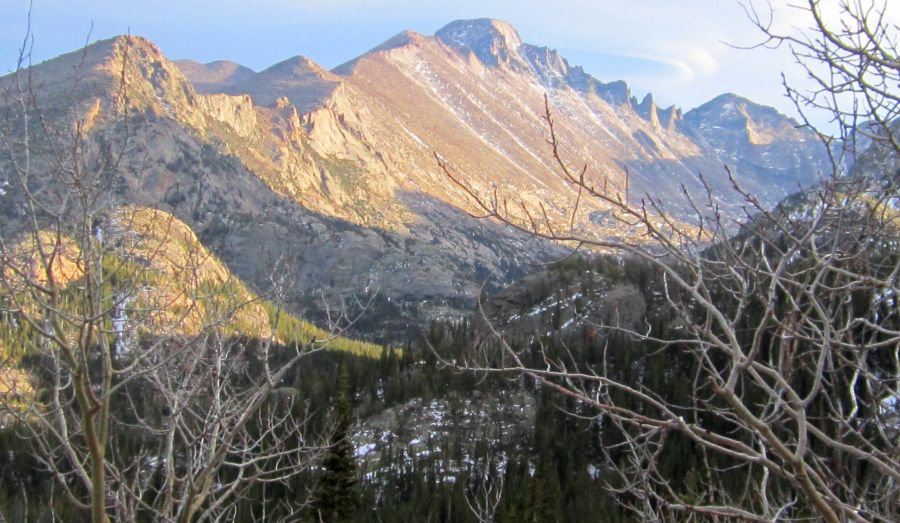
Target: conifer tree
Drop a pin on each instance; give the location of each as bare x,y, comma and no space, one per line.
335,497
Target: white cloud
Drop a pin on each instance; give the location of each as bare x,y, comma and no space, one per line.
695,62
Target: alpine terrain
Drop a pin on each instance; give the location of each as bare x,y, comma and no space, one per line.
456,278
334,172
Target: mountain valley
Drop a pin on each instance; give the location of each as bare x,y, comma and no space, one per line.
342,212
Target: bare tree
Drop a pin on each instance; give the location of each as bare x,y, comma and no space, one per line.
146,380
789,317
484,491
849,54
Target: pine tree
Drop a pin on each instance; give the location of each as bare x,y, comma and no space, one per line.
544,491
335,497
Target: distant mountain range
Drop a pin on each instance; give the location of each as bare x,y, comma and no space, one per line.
333,172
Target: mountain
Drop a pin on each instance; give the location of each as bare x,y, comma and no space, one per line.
474,91
213,76
333,172
753,138
178,289
178,286
224,179
297,81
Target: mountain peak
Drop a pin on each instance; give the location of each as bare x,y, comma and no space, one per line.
648,110
123,41
303,82
728,100
136,48
401,39
98,70
733,107
296,66
214,76
755,123
110,50
492,41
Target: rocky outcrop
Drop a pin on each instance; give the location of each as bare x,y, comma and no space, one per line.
615,93
494,42
670,117
648,111
235,111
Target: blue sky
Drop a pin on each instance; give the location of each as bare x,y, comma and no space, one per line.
676,49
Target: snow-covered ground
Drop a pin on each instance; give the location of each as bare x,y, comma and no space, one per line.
443,431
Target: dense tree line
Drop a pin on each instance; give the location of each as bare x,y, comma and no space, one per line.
549,482
567,470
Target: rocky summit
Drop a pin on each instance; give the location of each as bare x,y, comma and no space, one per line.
333,173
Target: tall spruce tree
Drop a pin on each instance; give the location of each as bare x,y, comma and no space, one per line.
335,497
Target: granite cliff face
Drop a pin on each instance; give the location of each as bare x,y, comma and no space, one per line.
332,173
